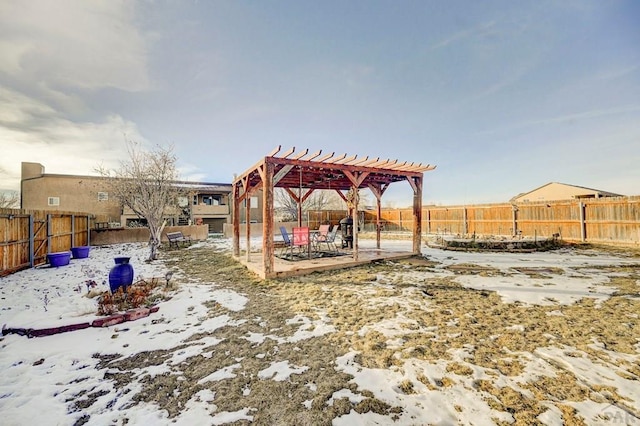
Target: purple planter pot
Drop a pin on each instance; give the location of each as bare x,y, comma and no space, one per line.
60,258
80,252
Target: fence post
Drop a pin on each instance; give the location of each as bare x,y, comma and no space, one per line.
515,220
73,230
48,232
583,225
465,224
31,241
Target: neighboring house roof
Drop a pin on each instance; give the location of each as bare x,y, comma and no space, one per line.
563,191
197,186
205,186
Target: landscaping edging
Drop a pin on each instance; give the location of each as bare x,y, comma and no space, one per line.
130,315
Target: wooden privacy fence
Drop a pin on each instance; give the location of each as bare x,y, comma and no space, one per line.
27,236
612,220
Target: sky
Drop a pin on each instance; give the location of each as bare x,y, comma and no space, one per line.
502,96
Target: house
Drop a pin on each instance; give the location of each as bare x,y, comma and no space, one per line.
205,203
561,191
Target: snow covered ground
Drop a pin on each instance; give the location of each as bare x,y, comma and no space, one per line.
64,379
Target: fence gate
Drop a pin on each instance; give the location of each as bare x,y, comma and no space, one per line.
26,237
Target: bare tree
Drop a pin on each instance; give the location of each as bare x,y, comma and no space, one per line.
9,200
145,183
318,200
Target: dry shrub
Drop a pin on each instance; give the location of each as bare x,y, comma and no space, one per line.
136,295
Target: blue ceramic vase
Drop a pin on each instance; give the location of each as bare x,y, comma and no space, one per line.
121,275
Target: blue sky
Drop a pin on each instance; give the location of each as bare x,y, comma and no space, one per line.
502,96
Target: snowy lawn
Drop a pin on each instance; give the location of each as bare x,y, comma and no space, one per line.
446,338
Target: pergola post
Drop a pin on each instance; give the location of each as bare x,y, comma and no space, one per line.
299,207
416,184
378,214
236,219
378,190
354,217
247,217
267,219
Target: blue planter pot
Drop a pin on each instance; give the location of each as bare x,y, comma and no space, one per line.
60,258
80,252
121,275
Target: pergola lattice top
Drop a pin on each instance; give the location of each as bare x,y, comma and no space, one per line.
330,171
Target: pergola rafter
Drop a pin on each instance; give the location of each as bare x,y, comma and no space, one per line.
308,172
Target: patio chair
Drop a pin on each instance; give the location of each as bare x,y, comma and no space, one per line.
288,244
330,239
320,235
301,240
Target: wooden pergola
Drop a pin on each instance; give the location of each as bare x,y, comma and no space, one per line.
301,173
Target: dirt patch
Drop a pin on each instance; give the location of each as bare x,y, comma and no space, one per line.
470,269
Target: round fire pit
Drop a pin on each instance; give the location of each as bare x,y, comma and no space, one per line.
60,258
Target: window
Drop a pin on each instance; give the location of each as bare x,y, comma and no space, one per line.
254,202
103,196
53,201
212,200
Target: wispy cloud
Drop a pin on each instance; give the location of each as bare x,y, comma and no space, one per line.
566,118
476,30
616,73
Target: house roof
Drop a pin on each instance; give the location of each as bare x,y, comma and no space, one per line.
584,188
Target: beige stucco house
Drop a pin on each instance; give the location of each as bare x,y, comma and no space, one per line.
561,191
206,203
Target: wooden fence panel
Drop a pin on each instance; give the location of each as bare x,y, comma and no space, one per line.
40,238
445,220
546,219
81,231
392,219
613,220
27,236
59,233
14,246
490,220
315,218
